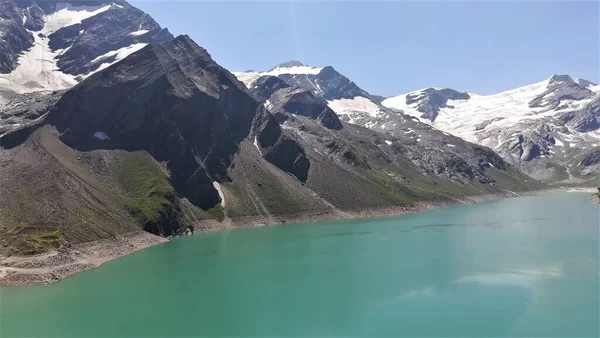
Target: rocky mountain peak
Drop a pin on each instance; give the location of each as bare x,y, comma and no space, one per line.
563,79
429,101
585,83
560,88
288,64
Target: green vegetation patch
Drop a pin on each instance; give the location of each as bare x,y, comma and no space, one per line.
391,189
30,240
194,213
44,241
149,191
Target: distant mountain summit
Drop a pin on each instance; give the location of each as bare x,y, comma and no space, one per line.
348,100
288,64
544,128
541,128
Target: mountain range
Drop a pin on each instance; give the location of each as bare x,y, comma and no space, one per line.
110,125
550,130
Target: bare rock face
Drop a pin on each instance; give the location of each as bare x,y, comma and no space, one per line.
430,100
298,101
280,147
15,37
90,42
560,88
266,86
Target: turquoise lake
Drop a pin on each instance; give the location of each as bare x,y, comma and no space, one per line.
526,266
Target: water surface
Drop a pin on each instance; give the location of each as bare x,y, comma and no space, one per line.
515,267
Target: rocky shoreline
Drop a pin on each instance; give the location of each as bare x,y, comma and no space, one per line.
54,266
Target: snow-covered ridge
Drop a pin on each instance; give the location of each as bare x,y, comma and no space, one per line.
37,67
118,54
469,118
248,78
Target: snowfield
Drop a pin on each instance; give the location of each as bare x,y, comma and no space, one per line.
358,104
472,119
119,54
37,69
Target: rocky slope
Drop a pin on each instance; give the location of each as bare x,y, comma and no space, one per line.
540,128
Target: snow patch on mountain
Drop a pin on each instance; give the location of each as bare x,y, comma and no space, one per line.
539,127
37,70
139,32
470,118
118,54
68,15
356,104
248,78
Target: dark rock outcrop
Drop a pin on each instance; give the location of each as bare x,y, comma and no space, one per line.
24,109
280,147
266,86
281,98
328,83
584,120
560,88
299,101
431,100
15,37
103,33
592,159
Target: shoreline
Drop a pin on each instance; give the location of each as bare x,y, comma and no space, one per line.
54,266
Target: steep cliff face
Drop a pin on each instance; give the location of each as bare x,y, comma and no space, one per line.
279,97
280,147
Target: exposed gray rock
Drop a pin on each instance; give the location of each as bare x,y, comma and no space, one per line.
103,33
266,86
15,37
584,120
560,88
328,83
431,100
24,109
280,147
300,101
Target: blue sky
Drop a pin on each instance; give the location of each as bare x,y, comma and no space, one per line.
389,48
